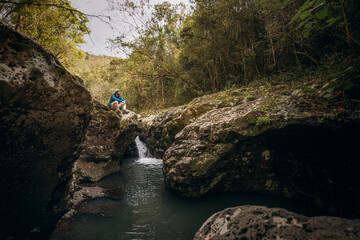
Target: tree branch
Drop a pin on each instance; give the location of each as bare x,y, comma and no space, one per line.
69,8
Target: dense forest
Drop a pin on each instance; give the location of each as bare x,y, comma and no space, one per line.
181,52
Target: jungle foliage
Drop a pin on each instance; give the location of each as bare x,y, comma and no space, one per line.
183,53
54,24
177,52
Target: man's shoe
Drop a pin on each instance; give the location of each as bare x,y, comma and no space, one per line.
125,111
119,113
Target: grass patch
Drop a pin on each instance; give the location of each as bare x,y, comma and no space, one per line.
261,121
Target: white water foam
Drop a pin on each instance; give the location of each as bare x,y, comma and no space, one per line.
145,157
149,161
142,149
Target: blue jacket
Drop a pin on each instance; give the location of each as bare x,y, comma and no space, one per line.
113,98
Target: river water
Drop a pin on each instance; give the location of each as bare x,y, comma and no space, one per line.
146,210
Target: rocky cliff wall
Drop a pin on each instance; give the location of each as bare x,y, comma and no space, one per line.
44,113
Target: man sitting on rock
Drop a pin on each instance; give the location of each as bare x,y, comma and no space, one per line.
117,103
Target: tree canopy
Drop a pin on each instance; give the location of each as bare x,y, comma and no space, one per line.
175,53
54,24
182,53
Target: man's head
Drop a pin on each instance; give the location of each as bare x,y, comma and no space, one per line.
117,92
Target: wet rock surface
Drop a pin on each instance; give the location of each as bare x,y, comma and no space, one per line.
107,139
90,191
44,113
255,222
153,133
85,171
89,199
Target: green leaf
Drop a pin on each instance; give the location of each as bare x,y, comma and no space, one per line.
295,17
321,14
331,21
306,33
307,4
308,25
320,2
301,24
304,15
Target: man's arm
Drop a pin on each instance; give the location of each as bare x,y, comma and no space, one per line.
119,99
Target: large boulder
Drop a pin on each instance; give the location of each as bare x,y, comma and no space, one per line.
256,222
152,130
278,143
160,127
106,141
44,113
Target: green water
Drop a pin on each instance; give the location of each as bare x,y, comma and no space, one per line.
146,210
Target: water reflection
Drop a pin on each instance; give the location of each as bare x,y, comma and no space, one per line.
146,210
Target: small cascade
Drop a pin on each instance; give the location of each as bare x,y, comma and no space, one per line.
143,151
145,157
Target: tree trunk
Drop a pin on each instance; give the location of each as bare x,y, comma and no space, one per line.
211,76
347,30
254,59
297,59
272,46
309,56
162,93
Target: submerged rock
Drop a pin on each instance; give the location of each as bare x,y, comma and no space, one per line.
107,139
44,113
272,143
83,198
92,192
255,222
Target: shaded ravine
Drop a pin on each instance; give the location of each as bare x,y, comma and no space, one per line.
146,210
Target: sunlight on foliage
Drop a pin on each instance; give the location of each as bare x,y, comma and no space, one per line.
174,53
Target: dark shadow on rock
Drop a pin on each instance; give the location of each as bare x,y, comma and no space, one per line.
44,112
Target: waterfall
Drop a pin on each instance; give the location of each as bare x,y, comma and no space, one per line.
142,149
145,157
